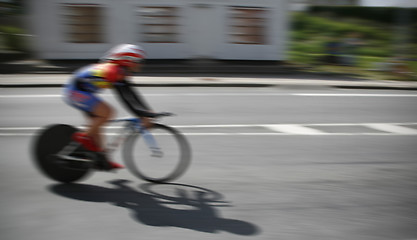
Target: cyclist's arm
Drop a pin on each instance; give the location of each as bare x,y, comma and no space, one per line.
132,100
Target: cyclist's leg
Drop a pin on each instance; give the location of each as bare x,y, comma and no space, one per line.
98,113
98,117
89,104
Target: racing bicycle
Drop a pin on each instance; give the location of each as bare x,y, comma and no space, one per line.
158,154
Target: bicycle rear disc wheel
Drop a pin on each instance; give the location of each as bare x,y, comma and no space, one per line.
46,146
173,161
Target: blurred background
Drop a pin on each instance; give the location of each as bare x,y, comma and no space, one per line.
364,38
294,156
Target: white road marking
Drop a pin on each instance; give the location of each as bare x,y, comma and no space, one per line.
294,129
32,96
218,126
15,134
352,95
18,128
231,95
391,128
386,129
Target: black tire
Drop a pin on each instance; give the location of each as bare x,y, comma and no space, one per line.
48,143
176,159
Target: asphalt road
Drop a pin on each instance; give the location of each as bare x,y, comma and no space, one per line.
268,163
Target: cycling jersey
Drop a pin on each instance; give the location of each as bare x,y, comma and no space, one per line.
81,90
94,78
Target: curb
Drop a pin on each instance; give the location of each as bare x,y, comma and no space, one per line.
378,87
243,85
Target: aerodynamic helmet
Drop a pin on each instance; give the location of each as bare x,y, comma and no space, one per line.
124,54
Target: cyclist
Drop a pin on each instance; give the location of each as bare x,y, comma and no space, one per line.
111,72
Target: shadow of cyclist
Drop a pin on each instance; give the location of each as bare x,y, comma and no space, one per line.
186,206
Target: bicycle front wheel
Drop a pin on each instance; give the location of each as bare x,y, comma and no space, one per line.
166,164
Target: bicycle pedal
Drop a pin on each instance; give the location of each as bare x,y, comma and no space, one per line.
101,162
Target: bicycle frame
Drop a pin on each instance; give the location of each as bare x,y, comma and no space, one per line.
62,159
133,125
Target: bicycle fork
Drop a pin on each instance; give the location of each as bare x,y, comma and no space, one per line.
134,125
150,141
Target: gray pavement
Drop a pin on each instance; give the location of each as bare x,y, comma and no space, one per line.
288,185
56,80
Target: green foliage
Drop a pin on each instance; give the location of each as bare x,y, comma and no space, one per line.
379,14
13,38
11,7
300,57
306,24
375,51
308,47
311,32
379,39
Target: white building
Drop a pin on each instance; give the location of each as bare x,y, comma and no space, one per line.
167,29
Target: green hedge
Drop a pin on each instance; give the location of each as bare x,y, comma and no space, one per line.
320,25
13,38
310,33
380,14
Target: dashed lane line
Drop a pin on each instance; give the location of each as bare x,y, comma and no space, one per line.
375,129
294,129
230,95
391,128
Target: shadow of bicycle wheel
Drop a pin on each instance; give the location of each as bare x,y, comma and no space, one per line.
163,205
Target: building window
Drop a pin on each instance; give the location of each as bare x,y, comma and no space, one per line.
247,25
159,24
84,23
